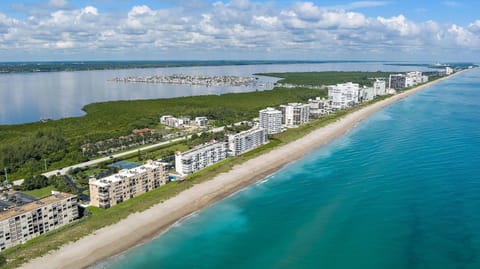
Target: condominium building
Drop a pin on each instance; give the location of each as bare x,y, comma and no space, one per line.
397,81
247,140
19,224
163,119
128,183
343,95
366,94
295,114
448,70
201,121
271,120
379,87
319,107
200,157
413,78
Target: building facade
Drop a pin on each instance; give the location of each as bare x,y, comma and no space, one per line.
201,121
380,87
270,119
19,224
397,81
448,70
366,94
128,183
319,107
295,114
343,95
247,140
200,157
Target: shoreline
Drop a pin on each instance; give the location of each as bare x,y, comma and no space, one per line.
119,237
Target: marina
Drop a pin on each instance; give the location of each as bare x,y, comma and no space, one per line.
193,80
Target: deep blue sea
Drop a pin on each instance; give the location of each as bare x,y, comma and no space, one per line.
401,190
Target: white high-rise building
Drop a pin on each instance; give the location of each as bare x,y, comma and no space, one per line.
379,87
343,95
366,94
319,107
200,157
413,78
271,120
247,140
295,114
448,70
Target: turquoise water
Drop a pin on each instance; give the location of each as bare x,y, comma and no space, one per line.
401,190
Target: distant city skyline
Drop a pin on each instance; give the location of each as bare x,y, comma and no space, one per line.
433,31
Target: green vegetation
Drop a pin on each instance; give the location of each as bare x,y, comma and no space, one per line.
40,193
39,182
24,148
97,218
328,78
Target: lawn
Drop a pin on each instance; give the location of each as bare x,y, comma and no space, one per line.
40,193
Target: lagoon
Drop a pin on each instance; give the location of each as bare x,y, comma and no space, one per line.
29,97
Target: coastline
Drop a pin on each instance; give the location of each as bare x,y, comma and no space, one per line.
119,237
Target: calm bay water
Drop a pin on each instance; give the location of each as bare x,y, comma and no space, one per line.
401,190
28,97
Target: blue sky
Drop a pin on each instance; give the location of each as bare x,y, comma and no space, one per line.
239,29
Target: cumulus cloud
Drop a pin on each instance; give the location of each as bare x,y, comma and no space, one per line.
239,26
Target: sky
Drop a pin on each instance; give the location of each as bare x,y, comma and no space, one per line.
400,30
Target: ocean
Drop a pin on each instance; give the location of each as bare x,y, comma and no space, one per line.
400,190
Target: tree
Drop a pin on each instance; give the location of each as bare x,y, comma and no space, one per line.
3,260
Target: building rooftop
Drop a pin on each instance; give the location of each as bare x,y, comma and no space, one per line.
19,210
247,132
126,173
214,144
270,110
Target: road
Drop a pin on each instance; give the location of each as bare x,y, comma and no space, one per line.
63,171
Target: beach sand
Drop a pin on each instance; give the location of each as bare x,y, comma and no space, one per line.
141,227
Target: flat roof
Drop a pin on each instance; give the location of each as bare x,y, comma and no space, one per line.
126,173
202,147
19,210
248,132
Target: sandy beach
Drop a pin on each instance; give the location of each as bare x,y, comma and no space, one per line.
141,227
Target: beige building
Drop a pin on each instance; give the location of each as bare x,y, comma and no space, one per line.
19,224
128,183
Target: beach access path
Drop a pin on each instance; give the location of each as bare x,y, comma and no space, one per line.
141,227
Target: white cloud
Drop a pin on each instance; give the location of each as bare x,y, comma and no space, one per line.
240,27
451,3
364,4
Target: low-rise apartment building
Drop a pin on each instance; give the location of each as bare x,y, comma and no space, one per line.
128,183
21,223
247,140
200,157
